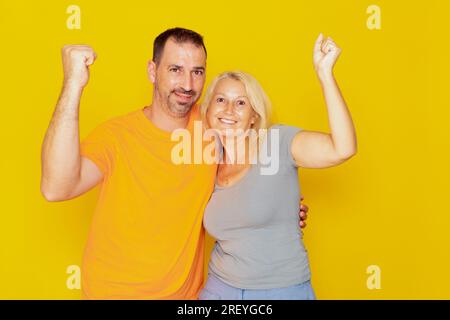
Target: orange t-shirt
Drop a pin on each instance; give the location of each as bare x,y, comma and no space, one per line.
146,240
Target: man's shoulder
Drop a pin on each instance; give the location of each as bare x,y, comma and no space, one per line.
120,121
114,127
195,112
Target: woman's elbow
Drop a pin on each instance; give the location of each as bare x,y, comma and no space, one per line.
346,155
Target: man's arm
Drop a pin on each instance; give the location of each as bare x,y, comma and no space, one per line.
65,174
303,213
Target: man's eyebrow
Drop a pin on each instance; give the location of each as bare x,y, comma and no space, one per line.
175,65
181,67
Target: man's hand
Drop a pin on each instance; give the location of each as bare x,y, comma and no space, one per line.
76,61
303,213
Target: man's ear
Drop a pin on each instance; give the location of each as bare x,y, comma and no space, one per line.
151,71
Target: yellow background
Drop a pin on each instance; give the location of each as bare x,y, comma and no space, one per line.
388,206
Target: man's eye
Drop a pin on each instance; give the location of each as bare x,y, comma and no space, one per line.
198,72
174,69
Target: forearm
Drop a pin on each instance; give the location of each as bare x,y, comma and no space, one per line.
340,121
61,161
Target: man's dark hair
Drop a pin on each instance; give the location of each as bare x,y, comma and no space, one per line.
179,35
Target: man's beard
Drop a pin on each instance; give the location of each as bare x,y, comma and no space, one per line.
180,109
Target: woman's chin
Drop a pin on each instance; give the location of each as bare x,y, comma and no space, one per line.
232,133
228,130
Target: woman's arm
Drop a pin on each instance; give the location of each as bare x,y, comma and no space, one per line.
312,149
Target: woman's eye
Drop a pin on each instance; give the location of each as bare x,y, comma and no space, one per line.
241,102
219,100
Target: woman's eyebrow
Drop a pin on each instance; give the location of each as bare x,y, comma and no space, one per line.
220,93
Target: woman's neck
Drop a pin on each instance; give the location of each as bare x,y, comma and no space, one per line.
238,150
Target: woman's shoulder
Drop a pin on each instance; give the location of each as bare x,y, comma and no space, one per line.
284,128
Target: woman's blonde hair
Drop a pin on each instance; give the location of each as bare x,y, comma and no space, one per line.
259,101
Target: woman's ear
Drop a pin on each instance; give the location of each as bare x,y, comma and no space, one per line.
255,117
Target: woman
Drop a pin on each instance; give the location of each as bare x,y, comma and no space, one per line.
259,253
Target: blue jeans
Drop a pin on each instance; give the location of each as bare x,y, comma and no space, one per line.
216,289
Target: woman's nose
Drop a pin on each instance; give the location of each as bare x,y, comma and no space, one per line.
229,108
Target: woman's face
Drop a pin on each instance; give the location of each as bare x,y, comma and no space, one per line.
230,108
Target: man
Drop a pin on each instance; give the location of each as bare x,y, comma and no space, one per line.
146,240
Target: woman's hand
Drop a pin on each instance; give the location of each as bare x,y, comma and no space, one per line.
325,55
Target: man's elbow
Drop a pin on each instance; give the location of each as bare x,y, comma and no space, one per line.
51,195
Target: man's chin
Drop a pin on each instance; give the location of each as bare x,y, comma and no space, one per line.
180,110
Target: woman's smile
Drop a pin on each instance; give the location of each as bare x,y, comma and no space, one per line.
227,121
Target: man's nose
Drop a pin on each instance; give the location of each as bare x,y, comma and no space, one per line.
187,82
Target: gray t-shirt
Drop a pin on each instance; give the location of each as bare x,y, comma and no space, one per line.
256,224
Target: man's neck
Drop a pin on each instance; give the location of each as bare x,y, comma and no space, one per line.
164,121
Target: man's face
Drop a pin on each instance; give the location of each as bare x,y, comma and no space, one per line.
179,77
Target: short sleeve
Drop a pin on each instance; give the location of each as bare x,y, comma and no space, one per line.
98,146
286,135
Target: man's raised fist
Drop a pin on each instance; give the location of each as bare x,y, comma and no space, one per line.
76,61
